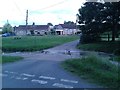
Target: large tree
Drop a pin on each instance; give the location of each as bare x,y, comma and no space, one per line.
100,17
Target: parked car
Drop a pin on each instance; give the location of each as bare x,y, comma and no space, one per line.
7,34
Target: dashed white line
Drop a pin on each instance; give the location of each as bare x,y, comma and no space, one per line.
28,75
10,72
6,71
46,77
70,81
39,81
13,72
3,75
24,78
61,85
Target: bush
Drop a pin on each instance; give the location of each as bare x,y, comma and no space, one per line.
117,52
85,38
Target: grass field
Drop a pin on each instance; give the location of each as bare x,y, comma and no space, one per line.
95,70
34,43
7,59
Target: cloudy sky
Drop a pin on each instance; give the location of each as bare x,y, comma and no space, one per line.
40,11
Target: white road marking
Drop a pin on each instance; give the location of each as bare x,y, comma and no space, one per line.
13,72
39,81
70,81
62,85
46,77
10,72
6,71
28,75
18,78
3,75
24,78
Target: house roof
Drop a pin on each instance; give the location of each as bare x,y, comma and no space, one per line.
32,27
65,26
68,26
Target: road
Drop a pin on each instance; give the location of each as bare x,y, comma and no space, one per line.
43,69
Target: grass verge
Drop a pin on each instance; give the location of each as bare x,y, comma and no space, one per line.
94,70
7,59
34,43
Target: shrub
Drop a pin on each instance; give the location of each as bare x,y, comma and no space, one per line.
85,38
117,52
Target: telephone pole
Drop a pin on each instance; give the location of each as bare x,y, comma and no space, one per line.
26,21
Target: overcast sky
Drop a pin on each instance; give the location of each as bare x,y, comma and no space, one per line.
40,11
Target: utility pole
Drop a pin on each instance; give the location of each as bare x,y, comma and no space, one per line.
26,20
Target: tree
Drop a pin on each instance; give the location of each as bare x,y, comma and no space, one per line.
112,12
49,24
99,18
7,28
69,22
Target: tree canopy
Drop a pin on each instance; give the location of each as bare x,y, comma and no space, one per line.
98,18
69,22
7,28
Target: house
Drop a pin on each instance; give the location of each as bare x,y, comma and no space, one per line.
66,29
31,29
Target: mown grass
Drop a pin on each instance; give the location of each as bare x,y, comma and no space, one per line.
95,70
108,47
34,43
8,59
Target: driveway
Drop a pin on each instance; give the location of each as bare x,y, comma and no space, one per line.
43,69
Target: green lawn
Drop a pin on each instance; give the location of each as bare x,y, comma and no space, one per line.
34,43
7,59
94,70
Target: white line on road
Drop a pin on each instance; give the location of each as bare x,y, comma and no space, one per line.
62,85
46,77
24,78
13,72
21,78
6,71
39,81
28,75
70,81
10,72
3,75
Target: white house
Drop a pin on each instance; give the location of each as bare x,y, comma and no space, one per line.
30,29
66,29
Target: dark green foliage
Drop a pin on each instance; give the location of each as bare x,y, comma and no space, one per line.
99,18
108,47
89,38
117,51
50,24
69,22
32,32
